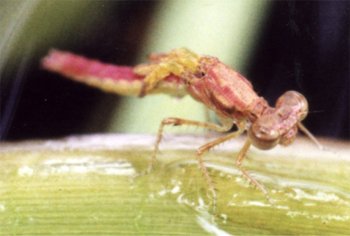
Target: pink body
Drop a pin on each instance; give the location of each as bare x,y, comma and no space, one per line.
108,77
225,91
217,86
73,65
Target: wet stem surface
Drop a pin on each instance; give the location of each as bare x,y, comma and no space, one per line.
84,192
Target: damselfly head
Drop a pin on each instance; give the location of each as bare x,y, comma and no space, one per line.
280,124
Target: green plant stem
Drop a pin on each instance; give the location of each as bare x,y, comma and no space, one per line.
95,185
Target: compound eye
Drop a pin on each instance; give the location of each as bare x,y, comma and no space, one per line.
304,107
293,99
263,135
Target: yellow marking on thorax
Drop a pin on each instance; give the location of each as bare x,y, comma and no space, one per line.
177,62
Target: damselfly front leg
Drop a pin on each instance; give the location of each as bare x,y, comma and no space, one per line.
239,160
226,125
174,121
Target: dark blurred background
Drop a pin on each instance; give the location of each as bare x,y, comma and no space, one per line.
301,45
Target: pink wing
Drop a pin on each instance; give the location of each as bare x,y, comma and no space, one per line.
110,78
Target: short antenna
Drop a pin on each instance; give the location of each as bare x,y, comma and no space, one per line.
310,135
